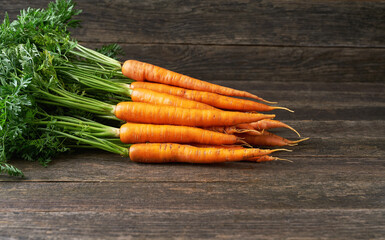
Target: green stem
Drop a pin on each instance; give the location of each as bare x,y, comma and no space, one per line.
97,68
89,79
97,143
80,126
72,100
96,57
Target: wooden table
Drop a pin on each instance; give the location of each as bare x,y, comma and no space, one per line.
324,59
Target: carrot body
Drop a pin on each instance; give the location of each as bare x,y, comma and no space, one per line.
266,124
141,71
156,114
167,152
264,158
209,98
268,139
229,130
153,97
142,133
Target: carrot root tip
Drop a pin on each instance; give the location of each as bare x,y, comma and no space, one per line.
263,100
283,159
281,149
284,108
298,141
299,135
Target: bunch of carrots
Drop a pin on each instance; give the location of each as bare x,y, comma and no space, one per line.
69,96
208,117
176,118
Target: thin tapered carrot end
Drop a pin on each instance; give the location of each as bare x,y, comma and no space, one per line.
287,126
249,95
283,159
269,116
284,108
263,100
281,149
298,141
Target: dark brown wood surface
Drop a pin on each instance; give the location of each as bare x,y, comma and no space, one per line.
323,59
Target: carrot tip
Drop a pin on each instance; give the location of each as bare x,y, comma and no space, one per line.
281,149
284,108
298,141
292,144
283,159
263,100
299,135
269,116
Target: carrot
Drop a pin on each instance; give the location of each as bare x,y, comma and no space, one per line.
231,130
264,158
209,98
218,146
268,139
155,114
267,158
168,152
246,127
142,133
141,71
266,124
149,96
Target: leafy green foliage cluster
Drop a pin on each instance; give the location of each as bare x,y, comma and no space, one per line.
36,56
46,28
20,137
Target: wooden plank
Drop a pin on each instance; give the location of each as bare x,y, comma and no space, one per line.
312,190
278,22
212,224
261,63
337,129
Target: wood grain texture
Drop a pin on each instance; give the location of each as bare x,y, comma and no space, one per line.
257,63
278,22
187,224
300,188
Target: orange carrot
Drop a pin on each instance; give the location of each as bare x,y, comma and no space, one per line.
232,130
266,124
168,152
149,96
246,127
218,146
212,99
142,133
156,114
264,158
141,71
268,139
